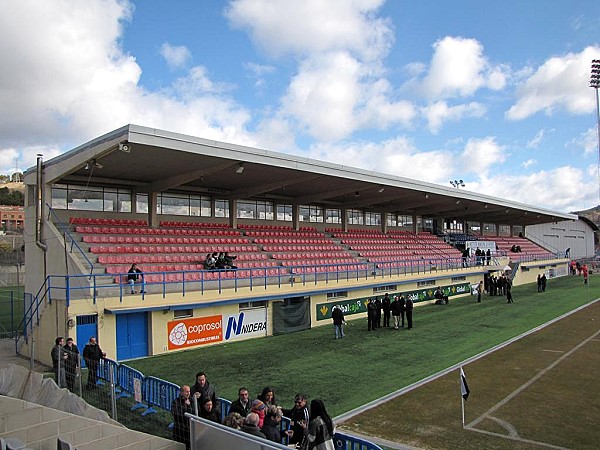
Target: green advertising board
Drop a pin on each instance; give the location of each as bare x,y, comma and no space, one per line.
359,305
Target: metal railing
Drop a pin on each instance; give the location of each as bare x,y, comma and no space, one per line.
69,240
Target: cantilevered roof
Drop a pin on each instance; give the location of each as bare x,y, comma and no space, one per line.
157,161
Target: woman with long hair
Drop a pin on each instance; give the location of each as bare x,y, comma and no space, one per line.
267,396
318,434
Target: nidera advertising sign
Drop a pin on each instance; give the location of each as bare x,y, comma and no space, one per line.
249,323
193,332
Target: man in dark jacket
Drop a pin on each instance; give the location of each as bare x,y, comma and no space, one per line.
386,306
371,315
181,424
409,309
395,308
337,315
202,388
92,354
242,405
297,415
402,303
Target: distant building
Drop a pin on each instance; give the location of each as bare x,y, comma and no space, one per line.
12,218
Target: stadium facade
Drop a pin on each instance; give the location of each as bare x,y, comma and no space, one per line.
307,234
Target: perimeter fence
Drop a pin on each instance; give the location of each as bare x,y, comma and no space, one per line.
143,403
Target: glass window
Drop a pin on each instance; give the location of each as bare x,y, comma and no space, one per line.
333,215
206,208
355,217
246,210
391,220
372,218
181,313
310,213
141,203
284,213
59,197
221,208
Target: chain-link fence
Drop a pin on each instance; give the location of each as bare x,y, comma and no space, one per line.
138,402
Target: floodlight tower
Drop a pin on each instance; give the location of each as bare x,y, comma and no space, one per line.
457,183
595,84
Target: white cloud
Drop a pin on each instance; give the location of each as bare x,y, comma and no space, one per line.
561,83
80,83
438,113
537,139
458,68
175,56
259,71
563,189
528,163
479,155
588,141
396,156
313,26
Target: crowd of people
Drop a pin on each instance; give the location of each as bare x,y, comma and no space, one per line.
219,261
65,362
399,308
310,427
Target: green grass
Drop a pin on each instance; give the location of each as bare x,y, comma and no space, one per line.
11,307
364,366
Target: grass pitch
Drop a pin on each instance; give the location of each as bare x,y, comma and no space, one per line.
365,365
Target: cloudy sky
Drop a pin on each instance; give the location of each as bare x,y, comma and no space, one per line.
494,93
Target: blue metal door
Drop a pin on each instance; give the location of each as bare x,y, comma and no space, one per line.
132,335
87,326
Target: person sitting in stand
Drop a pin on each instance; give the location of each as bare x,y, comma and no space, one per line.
513,248
135,275
220,261
518,249
209,262
229,261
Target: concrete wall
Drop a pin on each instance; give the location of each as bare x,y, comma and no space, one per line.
558,236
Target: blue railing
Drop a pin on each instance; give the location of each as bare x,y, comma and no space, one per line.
68,238
160,394
84,286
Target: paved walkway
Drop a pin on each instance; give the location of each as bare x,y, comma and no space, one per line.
8,356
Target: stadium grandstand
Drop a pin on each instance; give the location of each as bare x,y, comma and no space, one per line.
306,235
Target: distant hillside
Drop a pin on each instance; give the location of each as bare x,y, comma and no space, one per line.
592,214
14,186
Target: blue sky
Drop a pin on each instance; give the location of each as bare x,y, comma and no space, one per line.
494,93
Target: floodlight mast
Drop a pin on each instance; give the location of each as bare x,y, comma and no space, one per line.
595,84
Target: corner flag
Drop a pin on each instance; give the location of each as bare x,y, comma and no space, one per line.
464,387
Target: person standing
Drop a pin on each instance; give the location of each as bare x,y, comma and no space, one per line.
59,359
509,297
539,283
378,312
181,424
409,311
488,256
92,354
395,307
479,291
371,315
71,363
242,405
584,269
337,315
319,431
544,280
202,388
402,302
386,306
298,416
